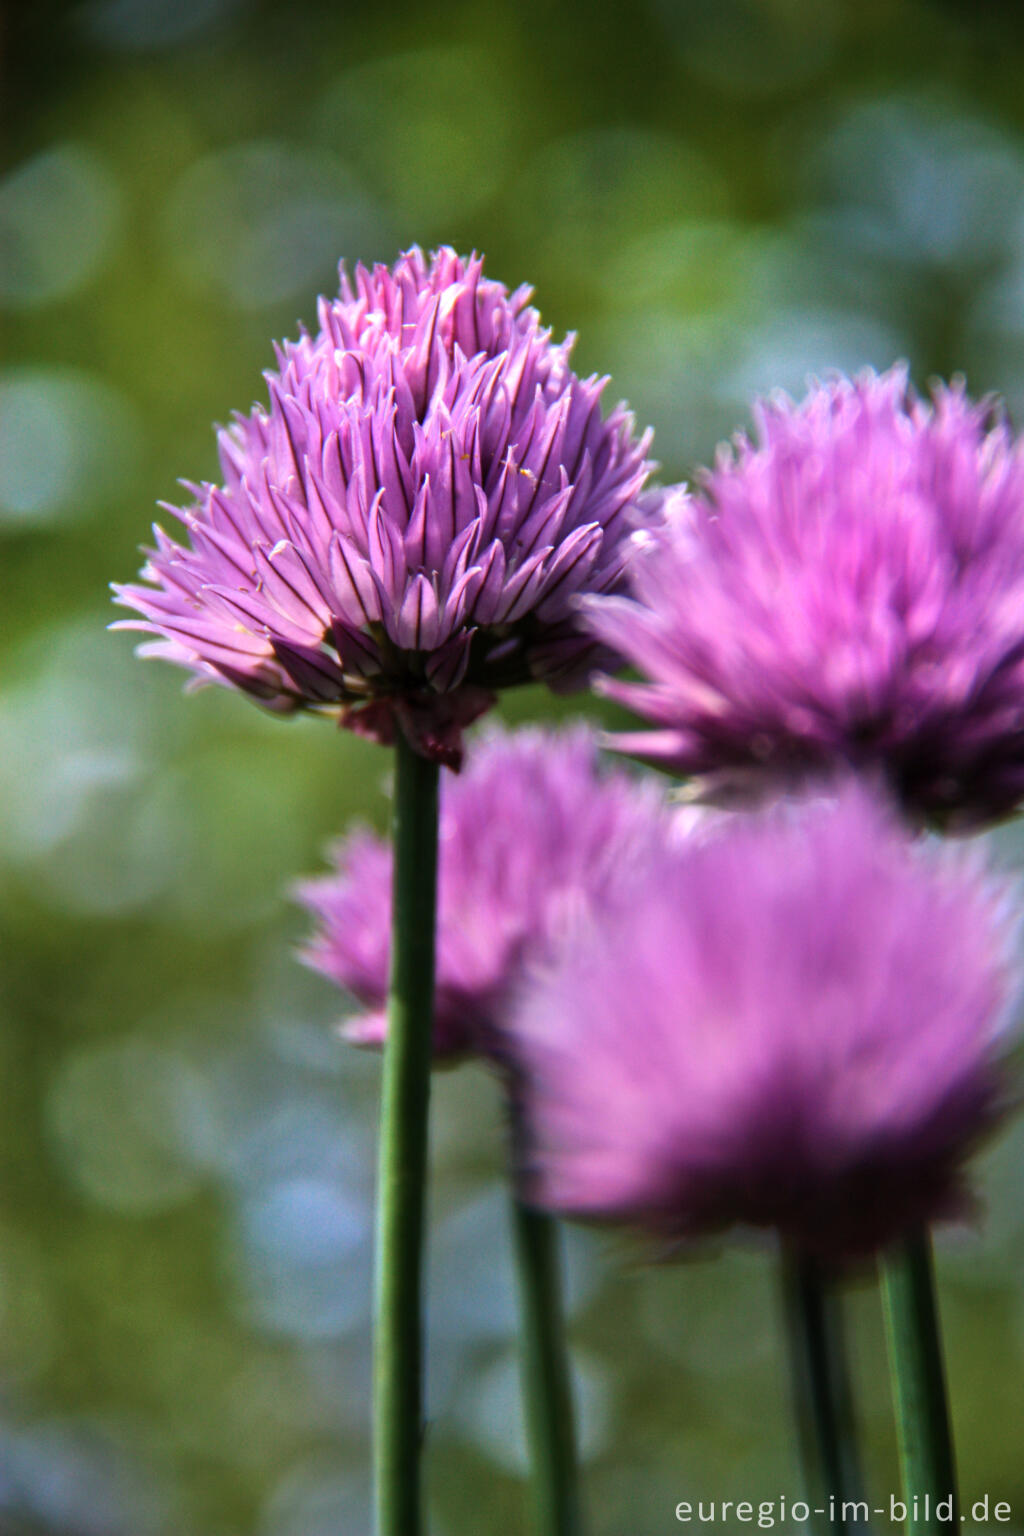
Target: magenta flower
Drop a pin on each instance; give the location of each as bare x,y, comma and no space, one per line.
532,835
795,1021
407,527
847,589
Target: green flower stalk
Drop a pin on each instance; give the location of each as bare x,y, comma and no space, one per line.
397,1361
923,1429
822,1394
547,1389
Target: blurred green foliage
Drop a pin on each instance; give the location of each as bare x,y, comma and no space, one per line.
721,196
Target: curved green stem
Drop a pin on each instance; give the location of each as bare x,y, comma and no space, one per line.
397,1364
821,1392
927,1464
547,1392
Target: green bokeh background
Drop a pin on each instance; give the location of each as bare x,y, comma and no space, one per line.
721,197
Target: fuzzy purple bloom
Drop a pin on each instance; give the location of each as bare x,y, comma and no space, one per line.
408,525
847,589
795,1021
533,835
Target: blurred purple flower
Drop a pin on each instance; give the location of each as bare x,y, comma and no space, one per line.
848,588
407,527
794,1021
532,835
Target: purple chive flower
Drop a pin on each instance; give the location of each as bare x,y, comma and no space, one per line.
532,835
849,588
795,1021
407,527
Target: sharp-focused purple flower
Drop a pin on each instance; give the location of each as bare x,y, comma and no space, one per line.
533,834
847,589
408,525
794,1021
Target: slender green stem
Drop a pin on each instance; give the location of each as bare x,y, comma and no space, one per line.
927,1465
398,1366
547,1393
821,1393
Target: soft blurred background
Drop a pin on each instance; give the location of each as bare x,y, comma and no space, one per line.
721,196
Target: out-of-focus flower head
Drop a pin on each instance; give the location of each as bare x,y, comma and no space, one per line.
795,1021
848,588
408,525
533,836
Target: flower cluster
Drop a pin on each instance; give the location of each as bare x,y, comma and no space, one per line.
848,588
408,525
534,837
793,1018
793,1022
790,1020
